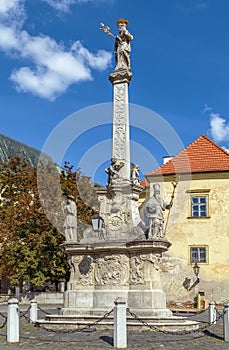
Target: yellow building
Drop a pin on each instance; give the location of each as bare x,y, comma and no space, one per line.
197,224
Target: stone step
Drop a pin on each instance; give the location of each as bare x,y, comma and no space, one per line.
173,324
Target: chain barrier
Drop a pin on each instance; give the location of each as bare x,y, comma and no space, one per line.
220,315
23,314
155,328
218,312
42,310
59,331
5,320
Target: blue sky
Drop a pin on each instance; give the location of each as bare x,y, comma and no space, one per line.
55,61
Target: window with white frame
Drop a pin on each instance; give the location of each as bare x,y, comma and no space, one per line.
199,206
198,254
198,203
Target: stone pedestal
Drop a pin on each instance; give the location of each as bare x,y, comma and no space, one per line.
101,273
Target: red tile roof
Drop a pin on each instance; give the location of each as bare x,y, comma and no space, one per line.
203,155
144,183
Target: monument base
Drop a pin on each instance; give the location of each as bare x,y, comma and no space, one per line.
103,272
147,303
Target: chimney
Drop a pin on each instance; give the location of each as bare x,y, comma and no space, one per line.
166,159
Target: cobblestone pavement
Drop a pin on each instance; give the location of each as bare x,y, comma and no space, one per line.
36,338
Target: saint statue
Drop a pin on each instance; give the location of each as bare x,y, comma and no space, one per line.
122,45
70,223
154,211
135,176
113,170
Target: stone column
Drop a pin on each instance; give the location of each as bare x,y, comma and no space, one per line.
121,136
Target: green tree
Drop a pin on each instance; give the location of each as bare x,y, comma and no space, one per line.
30,240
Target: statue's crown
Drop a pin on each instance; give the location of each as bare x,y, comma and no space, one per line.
122,21
156,187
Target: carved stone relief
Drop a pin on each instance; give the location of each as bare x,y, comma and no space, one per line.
83,270
155,259
119,215
112,270
136,273
72,268
120,132
137,266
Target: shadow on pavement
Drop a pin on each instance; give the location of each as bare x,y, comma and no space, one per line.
213,335
107,339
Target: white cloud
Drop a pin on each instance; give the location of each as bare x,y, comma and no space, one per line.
44,83
61,5
64,5
97,61
8,38
12,13
53,67
8,5
226,149
219,127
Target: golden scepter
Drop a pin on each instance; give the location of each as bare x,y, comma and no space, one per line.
174,183
106,29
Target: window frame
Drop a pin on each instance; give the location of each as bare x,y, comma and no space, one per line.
199,206
199,246
198,194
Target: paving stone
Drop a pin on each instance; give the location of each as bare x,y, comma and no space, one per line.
36,338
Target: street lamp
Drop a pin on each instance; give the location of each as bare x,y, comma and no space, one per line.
97,222
196,269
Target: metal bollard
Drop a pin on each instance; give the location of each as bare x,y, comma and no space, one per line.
120,335
33,311
212,313
198,301
226,322
13,321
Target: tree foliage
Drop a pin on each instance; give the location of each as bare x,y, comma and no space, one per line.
29,240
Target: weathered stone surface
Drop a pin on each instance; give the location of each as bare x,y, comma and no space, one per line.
100,273
177,277
120,76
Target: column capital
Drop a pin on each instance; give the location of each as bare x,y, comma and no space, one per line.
120,76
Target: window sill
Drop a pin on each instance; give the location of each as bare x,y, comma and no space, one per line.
201,263
198,217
